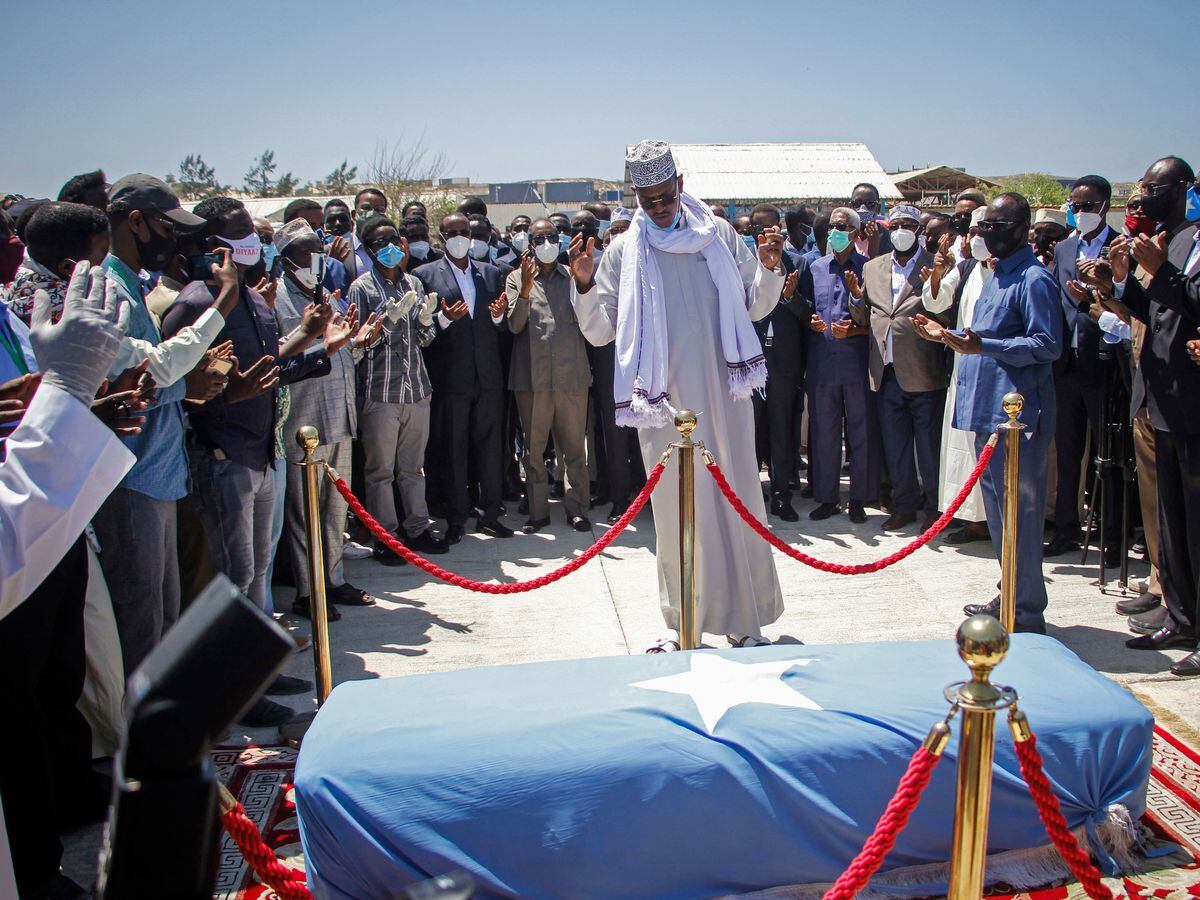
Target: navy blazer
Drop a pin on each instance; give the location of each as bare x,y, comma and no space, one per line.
789,321
466,356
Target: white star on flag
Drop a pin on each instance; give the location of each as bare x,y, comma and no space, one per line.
716,685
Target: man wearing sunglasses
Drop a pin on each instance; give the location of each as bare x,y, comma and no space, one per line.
873,239
1013,340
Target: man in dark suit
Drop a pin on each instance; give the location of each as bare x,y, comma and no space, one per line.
1164,293
782,334
873,239
467,376
1080,371
908,373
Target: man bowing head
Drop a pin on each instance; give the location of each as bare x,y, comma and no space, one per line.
678,292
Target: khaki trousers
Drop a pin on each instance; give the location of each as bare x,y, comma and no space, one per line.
564,415
1143,449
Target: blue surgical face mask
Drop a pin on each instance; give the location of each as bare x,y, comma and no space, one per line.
564,242
838,240
674,221
324,236
1071,223
603,228
270,255
390,256
1193,204
748,240
419,249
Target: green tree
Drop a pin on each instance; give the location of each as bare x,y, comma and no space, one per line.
260,179
196,180
286,185
1038,188
340,180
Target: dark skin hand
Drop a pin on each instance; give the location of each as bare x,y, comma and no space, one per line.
340,249
789,285
260,377
267,289
582,263
1193,350
1150,253
969,343
119,411
225,277
455,312
204,382
16,395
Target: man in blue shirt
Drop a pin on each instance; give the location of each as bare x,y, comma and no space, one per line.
1015,337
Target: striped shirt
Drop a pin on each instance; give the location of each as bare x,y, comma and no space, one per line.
393,370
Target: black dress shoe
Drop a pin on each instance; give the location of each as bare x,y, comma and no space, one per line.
286,684
300,606
1135,606
1024,628
858,515
265,713
1148,622
1188,666
824,511
898,520
557,492
974,531
1112,558
387,556
807,492
454,534
523,507
618,510
784,510
348,595
535,525
1166,638
928,522
427,542
494,528
580,523
991,608
1059,545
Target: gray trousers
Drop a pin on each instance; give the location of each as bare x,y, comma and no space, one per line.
333,518
140,559
563,414
235,505
393,437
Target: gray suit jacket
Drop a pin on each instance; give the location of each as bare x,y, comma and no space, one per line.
920,365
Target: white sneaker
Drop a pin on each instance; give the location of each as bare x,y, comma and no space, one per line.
355,550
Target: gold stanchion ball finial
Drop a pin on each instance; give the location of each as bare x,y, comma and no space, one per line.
685,421
307,438
982,642
1013,403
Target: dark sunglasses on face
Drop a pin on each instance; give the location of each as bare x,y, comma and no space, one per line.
1085,205
338,219
462,232
380,242
538,239
841,226
1153,189
868,204
985,225
664,201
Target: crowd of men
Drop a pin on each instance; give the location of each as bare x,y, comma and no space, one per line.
447,372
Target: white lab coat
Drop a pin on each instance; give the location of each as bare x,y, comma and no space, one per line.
61,463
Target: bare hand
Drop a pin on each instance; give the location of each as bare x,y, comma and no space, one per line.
853,285
943,260
1150,253
1097,273
1193,349
929,329
582,262
968,343
267,288
260,377
340,249
1096,310
770,247
789,285
841,328
138,380
455,312
16,395
315,318
529,269
817,324
340,329
369,331
1077,290
499,306
119,410
1118,258
225,272
204,383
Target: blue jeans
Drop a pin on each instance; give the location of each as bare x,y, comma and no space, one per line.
235,505
280,473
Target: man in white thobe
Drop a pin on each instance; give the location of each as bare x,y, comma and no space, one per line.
678,292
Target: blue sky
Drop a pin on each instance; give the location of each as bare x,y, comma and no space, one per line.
519,90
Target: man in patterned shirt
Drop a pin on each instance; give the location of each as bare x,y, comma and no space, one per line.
394,388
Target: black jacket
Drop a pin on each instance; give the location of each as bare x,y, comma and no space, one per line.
465,356
788,321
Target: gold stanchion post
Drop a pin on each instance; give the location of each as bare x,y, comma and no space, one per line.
982,643
308,439
685,421
1013,404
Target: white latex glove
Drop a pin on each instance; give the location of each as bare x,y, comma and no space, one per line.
75,355
428,308
399,307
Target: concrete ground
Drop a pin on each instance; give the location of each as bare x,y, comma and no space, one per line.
610,606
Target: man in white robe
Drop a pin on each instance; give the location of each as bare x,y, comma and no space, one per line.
682,323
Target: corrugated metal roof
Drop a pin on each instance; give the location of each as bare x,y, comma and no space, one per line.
779,171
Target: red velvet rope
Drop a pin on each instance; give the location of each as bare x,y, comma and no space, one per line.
1081,864
516,587
288,883
887,829
862,568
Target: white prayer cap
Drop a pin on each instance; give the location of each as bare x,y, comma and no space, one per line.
622,214
1051,214
650,163
904,211
977,214
851,216
290,232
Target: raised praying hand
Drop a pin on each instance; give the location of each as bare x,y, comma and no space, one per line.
770,247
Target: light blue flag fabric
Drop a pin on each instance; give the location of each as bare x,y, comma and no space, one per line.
687,774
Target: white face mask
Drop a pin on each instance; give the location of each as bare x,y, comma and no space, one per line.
1087,222
247,250
979,248
546,252
478,249
305,277
419,249
520,241
903,239
458,246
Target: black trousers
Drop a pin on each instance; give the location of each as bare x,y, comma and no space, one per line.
472,425
46,753
911,421
1078,411
776,415
1177,463
622,455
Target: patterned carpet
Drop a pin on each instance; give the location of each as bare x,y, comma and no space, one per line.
261,778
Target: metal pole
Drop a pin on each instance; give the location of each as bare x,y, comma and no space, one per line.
308,439
1013,404
982,643
685,421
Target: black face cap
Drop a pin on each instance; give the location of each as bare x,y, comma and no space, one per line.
147,192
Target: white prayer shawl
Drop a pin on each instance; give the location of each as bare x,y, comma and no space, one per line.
640,379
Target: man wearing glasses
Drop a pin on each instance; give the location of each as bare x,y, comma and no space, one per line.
873,239
1014,338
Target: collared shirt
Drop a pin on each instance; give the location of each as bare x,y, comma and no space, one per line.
362,260
161,470
900,276
393,370
1193,260
1091,250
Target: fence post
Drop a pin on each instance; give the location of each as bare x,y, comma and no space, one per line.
1013,404
685,421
